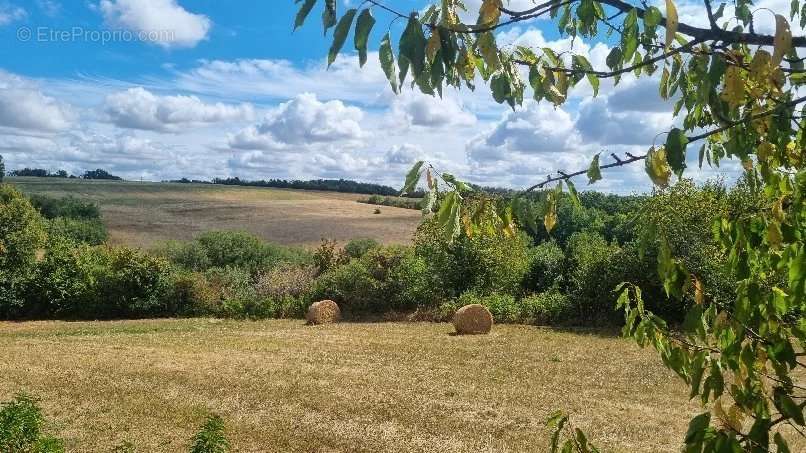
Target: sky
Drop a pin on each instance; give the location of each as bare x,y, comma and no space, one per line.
164,89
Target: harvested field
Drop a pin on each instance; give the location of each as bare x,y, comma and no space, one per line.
282,386
143,214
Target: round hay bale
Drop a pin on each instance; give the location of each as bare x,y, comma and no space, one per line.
323,312
473,319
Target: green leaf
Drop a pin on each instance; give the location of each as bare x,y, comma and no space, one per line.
387,58
572,192
412,178
594,172
448,216
329,14
676,143
614,58
787,406
340,35
362,30
781,443
412,45
697,426
303,12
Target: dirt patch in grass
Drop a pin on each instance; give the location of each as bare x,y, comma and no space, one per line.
144,214
282,386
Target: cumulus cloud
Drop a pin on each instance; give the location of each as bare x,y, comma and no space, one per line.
417,109
163,22
138,108
301,122
10,13
24,106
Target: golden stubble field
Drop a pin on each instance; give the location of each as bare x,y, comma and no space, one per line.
282,386
144,214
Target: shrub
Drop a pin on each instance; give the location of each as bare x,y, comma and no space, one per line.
191,256
190,293
547,267
590,281
22,233
92,232
230,249
359,247
69,207
504,307
550,307
352,286
235,296
285,281
131,283
328,256
211,438
21,423
483,263
241,249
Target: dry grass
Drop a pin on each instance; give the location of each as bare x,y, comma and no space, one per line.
143,214
282,386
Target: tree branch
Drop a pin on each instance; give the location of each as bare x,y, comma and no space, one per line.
631,158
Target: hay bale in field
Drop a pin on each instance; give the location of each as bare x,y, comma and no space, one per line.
323,312
473,319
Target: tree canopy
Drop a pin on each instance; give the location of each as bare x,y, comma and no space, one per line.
737,94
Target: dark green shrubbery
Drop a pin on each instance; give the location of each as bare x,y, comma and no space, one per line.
483,264
359,247
233,249
92,232
69,207
547,267
21,428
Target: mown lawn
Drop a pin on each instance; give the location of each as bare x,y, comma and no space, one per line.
282,386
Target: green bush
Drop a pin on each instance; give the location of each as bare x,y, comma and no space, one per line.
235,296
359,247
22,234
211,438
231,249
504,307
547,267
21,423
352,286
92,231
590,281
69,207
550,307
485,264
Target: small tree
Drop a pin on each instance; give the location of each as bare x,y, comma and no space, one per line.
2,169
734,89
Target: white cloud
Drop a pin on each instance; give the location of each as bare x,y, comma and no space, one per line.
164,22
301,122
51,8
417,109
24,106
11,13
138,108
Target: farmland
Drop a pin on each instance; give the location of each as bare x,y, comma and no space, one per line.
144,214
282,386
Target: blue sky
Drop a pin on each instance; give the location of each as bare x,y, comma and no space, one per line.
223,88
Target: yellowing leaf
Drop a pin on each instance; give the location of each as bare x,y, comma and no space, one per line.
550,220
489,12
765,151
434,44
783,39
761,66
671,22
774,235
699,294
733,92
657,167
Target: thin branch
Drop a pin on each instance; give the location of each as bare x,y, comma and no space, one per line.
631,158
711,18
